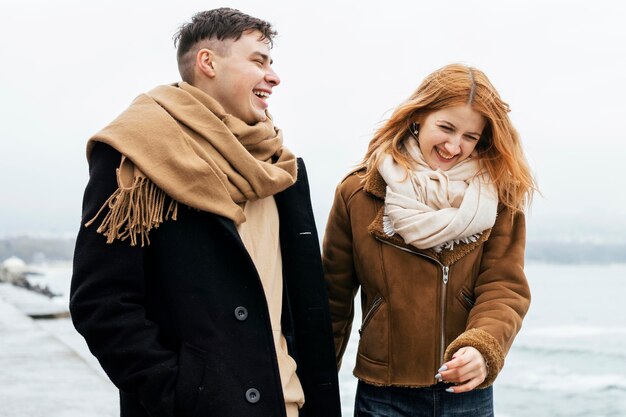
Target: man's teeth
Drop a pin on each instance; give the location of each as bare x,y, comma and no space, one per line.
262,94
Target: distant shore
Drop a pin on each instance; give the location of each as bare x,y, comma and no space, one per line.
49,249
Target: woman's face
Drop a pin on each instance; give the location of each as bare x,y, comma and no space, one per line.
449,136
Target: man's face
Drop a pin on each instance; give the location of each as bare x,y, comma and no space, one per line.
244,78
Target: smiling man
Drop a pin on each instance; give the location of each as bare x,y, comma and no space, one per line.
197,276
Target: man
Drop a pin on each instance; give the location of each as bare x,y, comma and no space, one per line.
197,277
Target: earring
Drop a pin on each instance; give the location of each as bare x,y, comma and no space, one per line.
414,128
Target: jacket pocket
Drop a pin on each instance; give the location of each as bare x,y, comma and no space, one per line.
468,301
378,301
374,342
191,366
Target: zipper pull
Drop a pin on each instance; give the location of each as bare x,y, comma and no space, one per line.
446,269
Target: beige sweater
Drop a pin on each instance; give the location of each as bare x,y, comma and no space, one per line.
259,234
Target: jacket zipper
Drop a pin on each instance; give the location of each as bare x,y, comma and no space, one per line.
446,276
377,302
444,288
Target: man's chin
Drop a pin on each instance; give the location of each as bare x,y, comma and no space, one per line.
260,118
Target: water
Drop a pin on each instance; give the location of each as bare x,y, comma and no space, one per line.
570,357
568,360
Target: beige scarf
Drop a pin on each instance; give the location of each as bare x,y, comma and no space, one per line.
437,209
178,141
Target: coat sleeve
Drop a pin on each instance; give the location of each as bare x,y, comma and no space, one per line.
339,272
106,297
502,295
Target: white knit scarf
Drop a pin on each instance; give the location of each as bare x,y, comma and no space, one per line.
437,209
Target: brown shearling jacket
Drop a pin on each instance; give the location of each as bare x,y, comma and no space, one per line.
419,307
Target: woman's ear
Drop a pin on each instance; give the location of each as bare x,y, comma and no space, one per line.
484,143
414,128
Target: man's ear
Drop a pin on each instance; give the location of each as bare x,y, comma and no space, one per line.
205,62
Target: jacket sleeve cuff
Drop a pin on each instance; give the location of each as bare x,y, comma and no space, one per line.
487,345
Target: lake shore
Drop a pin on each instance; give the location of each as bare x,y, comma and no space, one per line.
44,376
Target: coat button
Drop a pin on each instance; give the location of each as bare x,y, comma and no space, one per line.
253,395
241,313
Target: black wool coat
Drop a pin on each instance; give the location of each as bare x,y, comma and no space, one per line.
182,327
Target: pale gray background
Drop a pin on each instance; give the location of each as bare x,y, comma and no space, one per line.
69,67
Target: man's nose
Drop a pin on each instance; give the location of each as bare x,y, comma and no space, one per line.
272,78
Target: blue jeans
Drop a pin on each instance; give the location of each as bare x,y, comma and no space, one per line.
373,401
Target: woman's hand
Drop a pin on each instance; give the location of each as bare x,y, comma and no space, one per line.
467,369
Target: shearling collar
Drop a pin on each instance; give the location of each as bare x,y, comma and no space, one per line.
376,186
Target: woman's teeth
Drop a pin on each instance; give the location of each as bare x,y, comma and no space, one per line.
444,154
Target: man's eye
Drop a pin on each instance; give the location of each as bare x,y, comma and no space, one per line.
446,128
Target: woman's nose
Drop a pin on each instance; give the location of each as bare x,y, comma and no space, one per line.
453,146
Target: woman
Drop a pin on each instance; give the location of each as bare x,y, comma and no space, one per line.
431,227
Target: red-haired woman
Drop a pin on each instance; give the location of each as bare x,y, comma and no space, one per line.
431,228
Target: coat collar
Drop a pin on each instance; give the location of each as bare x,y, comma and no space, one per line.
376,186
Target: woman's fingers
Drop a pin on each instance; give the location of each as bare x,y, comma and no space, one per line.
466,368
468,386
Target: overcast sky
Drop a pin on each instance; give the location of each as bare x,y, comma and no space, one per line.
69,67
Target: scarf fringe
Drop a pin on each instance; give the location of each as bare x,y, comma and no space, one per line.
388,226
135,211
450,244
